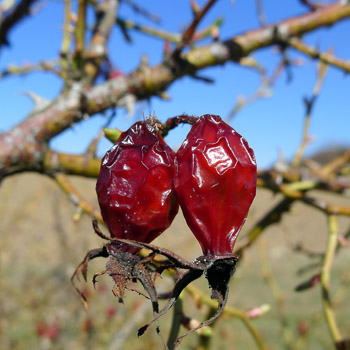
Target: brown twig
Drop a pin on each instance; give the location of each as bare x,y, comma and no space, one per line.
295,191
106,14
80,28
325,278
153,17
212,30
330,209
45,66
265,88
176,323
310,5
271,217
326,58
162,34
278,295
328,170
230,311
173,122
261,14
310,283
91,149
118,341
66,38
188,34
157,33
309,105
71,164
75,196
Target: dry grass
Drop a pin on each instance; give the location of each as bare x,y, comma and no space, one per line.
41,246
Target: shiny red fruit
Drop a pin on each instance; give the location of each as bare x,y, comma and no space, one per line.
135,185
215,181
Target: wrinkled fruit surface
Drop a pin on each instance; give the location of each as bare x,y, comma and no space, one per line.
135,185
215,181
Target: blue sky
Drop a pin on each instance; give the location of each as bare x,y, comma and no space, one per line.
269,125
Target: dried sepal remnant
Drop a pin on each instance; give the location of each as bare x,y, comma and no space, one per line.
83,267
122,266
218,270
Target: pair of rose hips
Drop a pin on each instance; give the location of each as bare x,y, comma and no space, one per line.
212,176
141,184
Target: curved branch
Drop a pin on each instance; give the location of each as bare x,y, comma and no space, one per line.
20,11
78,200
24,145
71,164
231,311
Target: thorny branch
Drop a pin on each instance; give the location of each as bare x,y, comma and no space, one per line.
46,66
22,148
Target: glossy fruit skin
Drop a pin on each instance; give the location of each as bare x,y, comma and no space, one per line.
135,185
215,182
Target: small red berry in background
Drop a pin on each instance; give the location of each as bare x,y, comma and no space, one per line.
41,329
115,73
87,325
53,331
49,331
135,185
303,328
111,310
215,181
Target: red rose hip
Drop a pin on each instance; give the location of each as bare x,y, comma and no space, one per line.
135,185
215,181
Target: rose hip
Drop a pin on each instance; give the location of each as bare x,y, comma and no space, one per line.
135,185
215,181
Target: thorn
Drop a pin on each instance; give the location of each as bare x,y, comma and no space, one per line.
164,96
128,101
204,79
195,8
39,102
144,62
